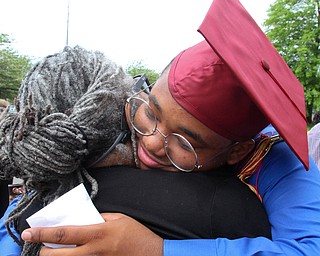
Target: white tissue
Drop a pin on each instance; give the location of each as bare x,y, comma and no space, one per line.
73,208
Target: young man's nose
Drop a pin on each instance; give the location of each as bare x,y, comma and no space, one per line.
155,143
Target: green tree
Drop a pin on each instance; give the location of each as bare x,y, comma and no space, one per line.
13,67
138,67
293,27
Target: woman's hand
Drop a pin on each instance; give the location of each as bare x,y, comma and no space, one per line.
119,235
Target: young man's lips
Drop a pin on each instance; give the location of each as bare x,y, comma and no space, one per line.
146,159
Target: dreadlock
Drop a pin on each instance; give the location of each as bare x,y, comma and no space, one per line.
69,109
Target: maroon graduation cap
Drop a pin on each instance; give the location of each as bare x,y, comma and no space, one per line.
236,82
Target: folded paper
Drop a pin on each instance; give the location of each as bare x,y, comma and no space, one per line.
73,208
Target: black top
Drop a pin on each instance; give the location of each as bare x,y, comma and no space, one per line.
4,195
179,205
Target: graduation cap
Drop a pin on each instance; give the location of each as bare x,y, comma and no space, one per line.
236,83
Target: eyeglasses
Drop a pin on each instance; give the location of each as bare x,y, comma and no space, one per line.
178,149
142,83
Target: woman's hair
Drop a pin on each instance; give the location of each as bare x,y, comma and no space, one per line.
69,109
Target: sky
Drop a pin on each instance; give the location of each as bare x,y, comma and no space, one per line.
150,31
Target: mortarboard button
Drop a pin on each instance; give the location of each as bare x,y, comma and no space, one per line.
265,65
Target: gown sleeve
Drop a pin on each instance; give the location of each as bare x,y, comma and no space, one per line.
8,247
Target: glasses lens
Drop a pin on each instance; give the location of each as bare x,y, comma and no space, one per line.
142,117
178,149
180,152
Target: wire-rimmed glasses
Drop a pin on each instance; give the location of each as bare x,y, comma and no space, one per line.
178,149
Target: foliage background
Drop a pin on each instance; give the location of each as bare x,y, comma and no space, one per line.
293,28
13,67
138,67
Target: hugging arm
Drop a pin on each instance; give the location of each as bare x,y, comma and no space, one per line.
119,235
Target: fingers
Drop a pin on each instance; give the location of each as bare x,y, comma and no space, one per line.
68,234
77,235
114,237
45,251
74,251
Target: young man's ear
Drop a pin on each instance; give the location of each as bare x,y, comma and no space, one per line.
240,151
